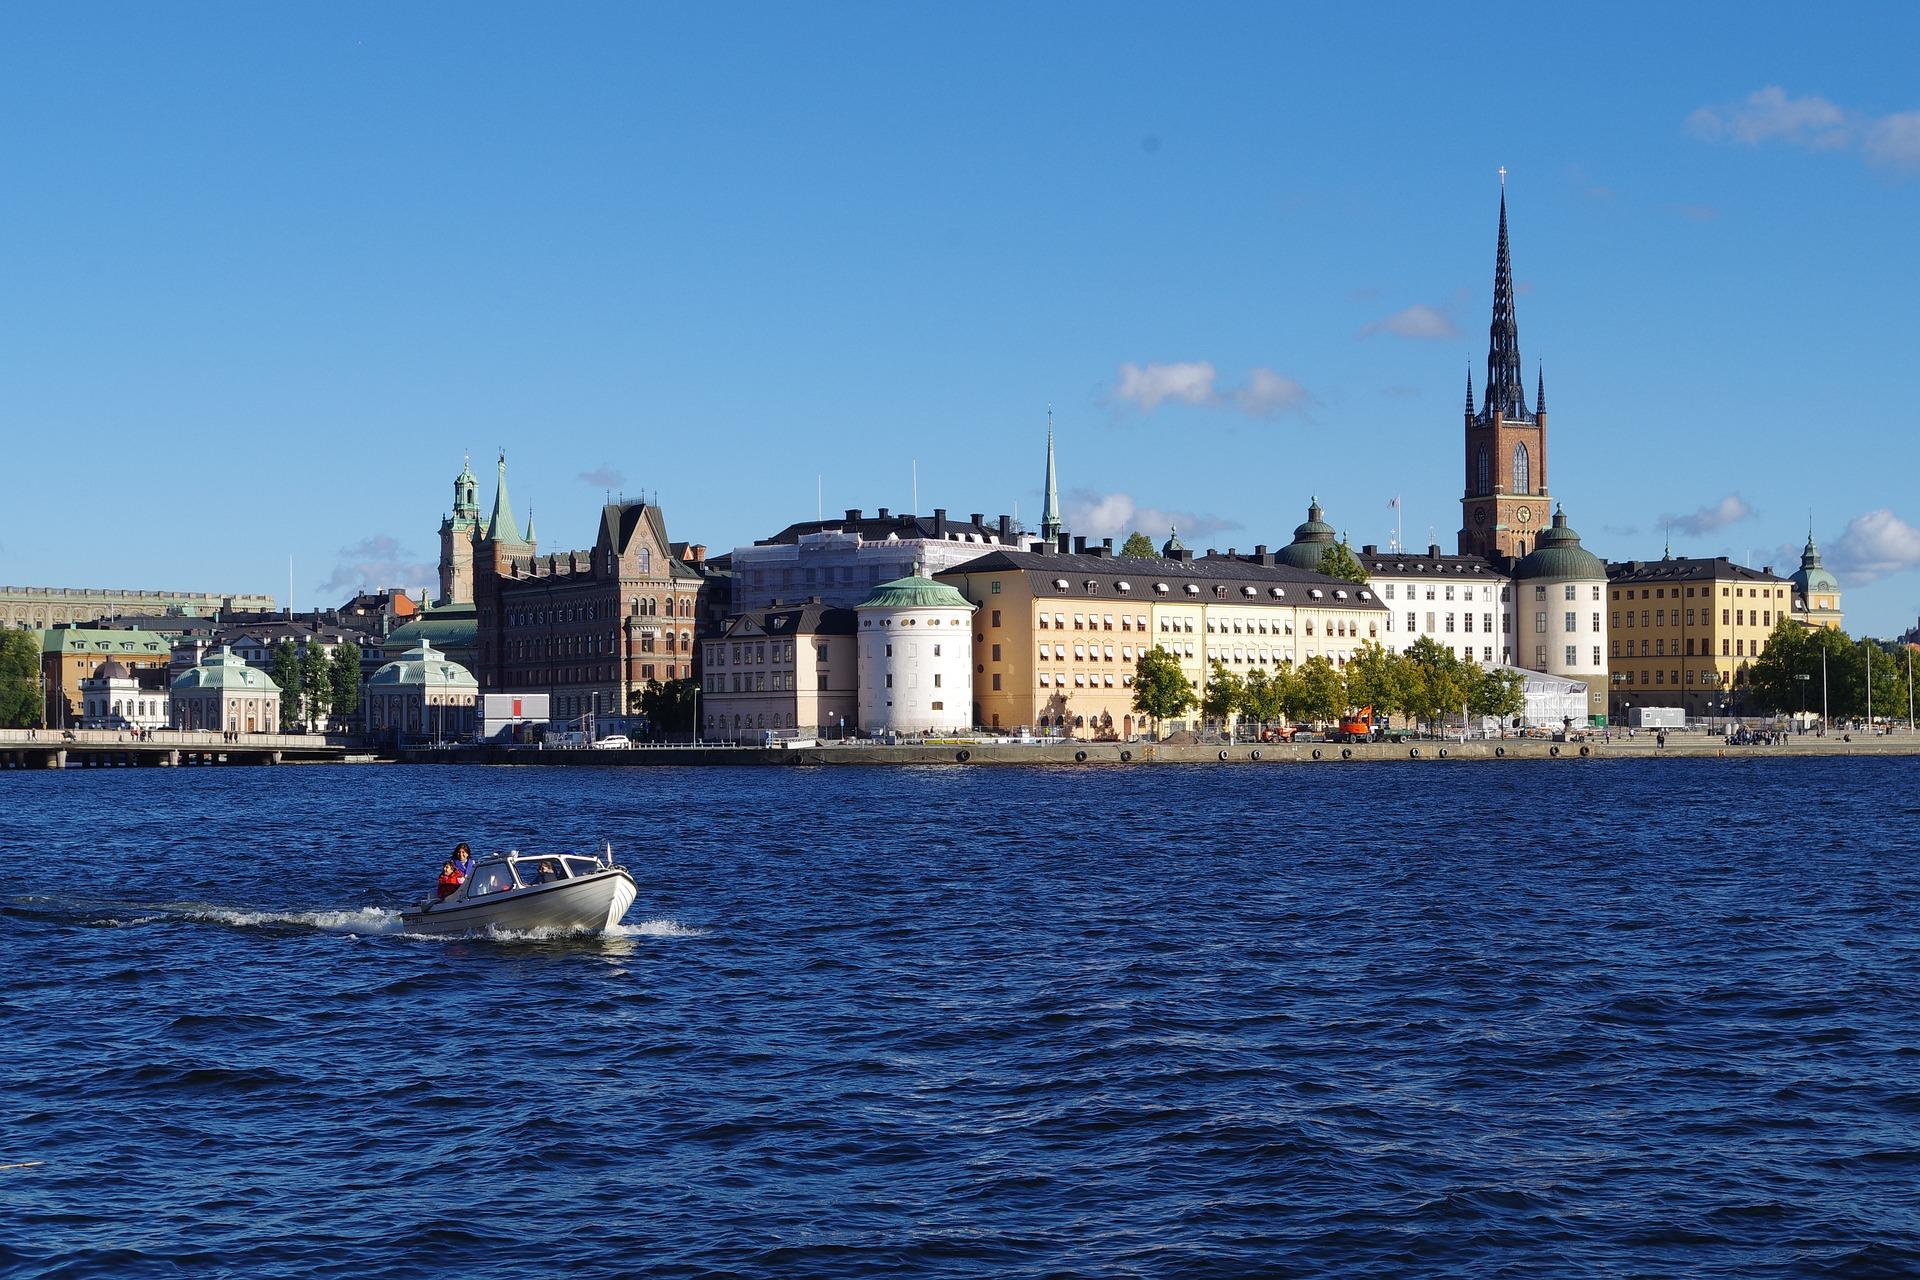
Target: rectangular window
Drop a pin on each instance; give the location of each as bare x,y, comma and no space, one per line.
1449,624
996,586
1413,622
1572,620
1540,622
996,617
1570,592
1572,656
996,653
1596,622
1596,655
996,682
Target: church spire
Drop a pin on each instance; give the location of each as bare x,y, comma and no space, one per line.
1469,390
500,525
1050,526
1540,391
1506,393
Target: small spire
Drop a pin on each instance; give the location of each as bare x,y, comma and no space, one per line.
1669,551
530,534
1540,389
1050,526
1469,388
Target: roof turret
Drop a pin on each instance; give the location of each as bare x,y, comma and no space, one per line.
1558,555
500,525
1311,538
1173,543
1812,575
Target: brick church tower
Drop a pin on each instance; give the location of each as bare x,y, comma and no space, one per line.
1505,504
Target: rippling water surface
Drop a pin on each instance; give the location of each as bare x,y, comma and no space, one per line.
1632,1018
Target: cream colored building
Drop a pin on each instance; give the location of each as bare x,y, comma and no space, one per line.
1056,636
224,693
788,669
1816,592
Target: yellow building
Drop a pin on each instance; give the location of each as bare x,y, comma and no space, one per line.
1056,635
1683,632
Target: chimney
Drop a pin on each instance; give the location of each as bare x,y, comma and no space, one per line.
1064,544
939,522
1265,558
1259,548
1106,545
1367,549
853,514
883,514
1079,546
1233,552
1767,569
1433,549
1006,531
979,519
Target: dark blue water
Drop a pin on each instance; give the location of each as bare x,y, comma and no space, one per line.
1633,1018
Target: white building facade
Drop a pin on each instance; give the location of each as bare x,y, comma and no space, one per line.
841,562
915,643
1560,612
113,698
1462,603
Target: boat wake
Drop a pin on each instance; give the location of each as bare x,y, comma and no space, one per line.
355,921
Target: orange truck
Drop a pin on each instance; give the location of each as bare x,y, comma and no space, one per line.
1355,726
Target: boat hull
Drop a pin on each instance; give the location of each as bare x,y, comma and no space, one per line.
587,904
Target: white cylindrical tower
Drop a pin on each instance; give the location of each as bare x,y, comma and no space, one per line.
916,658
1560,623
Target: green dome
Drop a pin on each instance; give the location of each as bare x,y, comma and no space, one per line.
224,669
423,666
1559,555
915,593
1813,575
1310,541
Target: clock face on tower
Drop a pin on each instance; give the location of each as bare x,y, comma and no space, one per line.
1479,515
1524,515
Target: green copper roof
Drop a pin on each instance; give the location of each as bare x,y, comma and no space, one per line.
1173,543
225,669
103,640
915,593
423,665
449,627
1813,575
500,525
1310,540
1559,555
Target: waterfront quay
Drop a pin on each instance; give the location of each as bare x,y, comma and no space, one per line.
163,748
1069,754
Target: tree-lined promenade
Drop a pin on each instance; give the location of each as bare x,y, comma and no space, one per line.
1426,683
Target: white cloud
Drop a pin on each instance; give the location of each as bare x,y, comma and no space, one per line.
1771,115
1149,386
603,477
1268,394
1894,141
379,561
1873,546
1115,515
1728,510
1417,321
1265,394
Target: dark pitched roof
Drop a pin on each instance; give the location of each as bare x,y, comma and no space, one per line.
1044,571
875,528
809,618
1686,569
1429,563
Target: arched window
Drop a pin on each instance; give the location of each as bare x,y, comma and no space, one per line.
1482,473
1522,470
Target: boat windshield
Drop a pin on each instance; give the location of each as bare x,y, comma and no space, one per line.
581,866
543,870
495,876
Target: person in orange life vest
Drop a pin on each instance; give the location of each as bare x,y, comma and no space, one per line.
450,879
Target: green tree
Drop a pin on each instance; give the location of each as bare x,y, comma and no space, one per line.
1443,681
316,684
1371,677
668,707
1795,650
1139,546
1225,690
1323,694
1500,693
21,706
343,680
1161,689
283,668
1338,561
1263,697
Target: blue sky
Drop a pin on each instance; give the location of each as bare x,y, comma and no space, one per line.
268,271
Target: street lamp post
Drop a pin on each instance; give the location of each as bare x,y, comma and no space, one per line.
1823,689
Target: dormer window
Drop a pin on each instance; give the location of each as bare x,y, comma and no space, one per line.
1316,592
1123,587
1192,589
1339,595
1277,592
1160,588
1061,584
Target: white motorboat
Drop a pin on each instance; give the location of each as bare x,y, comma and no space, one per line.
520,892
